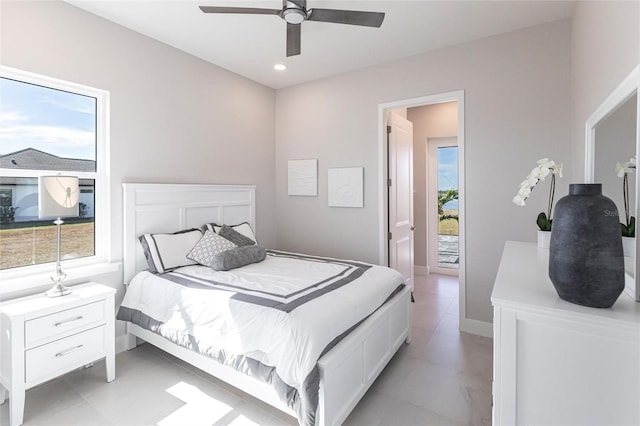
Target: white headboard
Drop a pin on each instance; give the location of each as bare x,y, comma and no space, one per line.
150,207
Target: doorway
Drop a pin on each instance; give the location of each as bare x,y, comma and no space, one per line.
383,179
442,206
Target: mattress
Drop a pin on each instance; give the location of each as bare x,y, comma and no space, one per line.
271,320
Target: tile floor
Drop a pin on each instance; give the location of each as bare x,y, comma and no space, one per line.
442,378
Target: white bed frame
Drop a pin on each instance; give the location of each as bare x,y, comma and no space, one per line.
346,372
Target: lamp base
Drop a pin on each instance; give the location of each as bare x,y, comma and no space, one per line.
58,290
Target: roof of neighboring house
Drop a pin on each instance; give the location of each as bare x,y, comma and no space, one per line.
35,159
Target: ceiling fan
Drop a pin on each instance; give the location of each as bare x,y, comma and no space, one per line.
296,12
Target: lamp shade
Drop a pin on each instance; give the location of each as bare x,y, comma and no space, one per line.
57,196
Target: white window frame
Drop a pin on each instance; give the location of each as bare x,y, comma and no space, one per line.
81,269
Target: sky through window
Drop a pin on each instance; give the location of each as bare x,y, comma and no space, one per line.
54,121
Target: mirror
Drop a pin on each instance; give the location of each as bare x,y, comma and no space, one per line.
611,138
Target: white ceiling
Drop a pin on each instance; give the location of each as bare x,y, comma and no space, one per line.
250,45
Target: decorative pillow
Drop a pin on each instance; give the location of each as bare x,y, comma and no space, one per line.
235,237
165,252
237,257
208,247
244,228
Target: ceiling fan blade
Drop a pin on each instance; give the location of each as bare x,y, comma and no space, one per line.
351,17
244,10
293,39
301,3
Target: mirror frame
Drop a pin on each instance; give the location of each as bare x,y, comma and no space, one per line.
625,90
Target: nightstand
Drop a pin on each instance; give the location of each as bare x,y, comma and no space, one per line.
42,338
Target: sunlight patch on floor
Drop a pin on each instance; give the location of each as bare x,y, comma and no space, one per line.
243,421
199,408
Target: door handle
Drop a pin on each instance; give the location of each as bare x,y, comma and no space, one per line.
413,228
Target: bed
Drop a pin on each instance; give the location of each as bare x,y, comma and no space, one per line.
336,359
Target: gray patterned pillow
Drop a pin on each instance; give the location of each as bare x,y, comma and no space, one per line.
235,237
237,257
208,247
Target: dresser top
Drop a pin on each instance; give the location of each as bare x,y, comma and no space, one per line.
523,283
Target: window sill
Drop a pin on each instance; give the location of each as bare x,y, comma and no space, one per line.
15,285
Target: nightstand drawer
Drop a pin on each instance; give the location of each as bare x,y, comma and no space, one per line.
56,358
64,323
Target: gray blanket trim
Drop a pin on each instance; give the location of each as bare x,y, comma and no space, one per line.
185,280
354,271
246,365
317,258
236,287
303,401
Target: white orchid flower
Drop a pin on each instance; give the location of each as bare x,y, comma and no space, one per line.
557,170
624,168
529,181
539,172
524,192
545,163
518,200
544,168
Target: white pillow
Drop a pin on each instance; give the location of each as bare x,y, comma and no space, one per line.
208,247
243,228
165,252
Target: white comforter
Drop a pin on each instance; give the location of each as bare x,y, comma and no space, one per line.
292,333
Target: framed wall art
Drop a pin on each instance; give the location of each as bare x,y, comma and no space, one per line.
303,177
346,187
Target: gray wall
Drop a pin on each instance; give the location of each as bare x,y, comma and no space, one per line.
517,101
174,118
605,47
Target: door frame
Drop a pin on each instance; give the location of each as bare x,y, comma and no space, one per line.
466,324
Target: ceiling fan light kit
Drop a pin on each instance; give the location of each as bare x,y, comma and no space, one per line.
294,13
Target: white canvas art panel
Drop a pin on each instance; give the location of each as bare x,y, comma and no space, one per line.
346,187
303,177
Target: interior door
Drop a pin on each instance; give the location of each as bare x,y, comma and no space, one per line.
400,158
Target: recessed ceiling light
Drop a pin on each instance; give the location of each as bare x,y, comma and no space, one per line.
279,67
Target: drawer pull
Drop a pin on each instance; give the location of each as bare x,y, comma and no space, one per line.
58,324
68,351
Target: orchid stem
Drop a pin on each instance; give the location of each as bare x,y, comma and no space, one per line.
625,193
552,191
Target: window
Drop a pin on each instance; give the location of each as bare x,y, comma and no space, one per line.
49,126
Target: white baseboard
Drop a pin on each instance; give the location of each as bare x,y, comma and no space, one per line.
480,328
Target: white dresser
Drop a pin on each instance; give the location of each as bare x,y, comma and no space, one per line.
42,338
556,363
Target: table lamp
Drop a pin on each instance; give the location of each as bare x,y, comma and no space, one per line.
58,198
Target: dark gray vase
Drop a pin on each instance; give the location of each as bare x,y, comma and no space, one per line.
586,264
